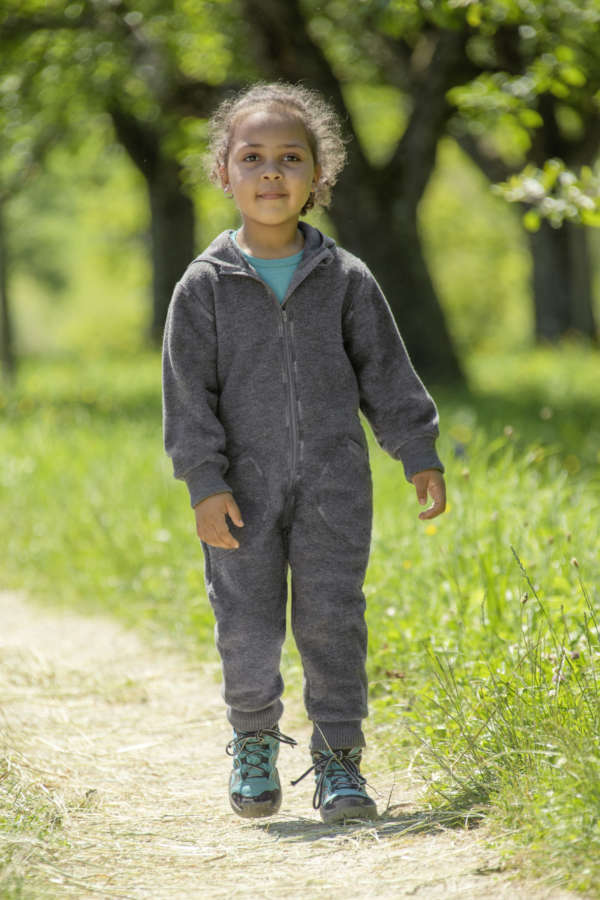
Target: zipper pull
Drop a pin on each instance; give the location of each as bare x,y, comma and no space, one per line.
284,314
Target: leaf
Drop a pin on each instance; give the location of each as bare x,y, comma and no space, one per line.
474,15
592,218
559,89
531,220
573,76
531,118
564,53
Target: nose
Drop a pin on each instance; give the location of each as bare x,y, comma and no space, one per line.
271,172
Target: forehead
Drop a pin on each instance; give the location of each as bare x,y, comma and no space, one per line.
268,126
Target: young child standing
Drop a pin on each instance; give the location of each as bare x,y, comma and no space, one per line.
275,339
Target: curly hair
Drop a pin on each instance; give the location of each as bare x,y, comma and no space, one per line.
319,119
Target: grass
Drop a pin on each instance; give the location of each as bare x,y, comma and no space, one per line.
92,515
31,815
484,645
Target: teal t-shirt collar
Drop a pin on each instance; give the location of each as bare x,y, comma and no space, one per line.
277,273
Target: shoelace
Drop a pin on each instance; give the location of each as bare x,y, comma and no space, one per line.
249,744
344,774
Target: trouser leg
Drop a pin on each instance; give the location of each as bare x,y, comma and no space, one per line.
247,589
328,553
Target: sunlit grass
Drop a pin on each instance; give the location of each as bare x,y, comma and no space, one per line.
485,651
92,515
469,680
31,818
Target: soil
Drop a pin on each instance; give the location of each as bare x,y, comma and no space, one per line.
126,741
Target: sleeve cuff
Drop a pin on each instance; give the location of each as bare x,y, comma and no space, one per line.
418,455
204,481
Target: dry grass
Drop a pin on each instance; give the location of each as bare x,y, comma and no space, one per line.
114,778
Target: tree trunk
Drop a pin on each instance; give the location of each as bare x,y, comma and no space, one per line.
7,352
562,285
171,210
376,214
172,233
388,239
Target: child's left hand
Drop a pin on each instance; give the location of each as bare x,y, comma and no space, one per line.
430,482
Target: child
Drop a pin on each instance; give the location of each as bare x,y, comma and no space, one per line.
274,340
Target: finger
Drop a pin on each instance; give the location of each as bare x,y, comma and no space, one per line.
225,538
421,489
438,495
209,535
233,511
431,513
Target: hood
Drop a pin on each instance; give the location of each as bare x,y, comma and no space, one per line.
225,255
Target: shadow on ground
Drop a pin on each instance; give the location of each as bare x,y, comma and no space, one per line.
392,823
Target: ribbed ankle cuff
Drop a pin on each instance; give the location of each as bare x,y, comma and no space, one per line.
337,734
256,719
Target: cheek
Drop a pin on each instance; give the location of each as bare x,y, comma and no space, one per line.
238,182
302,179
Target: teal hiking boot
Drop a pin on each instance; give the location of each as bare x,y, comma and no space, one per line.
254,786
340,788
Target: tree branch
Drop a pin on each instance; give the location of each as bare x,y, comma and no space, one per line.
448,66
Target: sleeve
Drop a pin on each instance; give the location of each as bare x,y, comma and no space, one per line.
194,437
394,400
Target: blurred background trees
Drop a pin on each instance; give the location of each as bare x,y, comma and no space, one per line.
431,93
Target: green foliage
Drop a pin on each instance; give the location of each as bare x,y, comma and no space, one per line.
487,725
79,267
81,272
85,222
555,193
83,58
539,85
487,675
63,65
94,509
517,724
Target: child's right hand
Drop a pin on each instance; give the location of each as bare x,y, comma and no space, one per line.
211,526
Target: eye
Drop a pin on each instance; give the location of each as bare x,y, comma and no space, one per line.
250,157
291,157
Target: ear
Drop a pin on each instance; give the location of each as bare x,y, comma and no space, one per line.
223,175
316,175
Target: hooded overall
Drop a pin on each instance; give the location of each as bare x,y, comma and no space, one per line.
262,399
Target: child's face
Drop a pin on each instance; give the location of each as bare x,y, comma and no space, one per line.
270,168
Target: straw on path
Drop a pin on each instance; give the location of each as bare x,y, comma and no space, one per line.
128,739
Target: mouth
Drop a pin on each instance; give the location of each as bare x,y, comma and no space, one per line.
271,195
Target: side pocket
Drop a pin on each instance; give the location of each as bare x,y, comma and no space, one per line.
345,494
251,493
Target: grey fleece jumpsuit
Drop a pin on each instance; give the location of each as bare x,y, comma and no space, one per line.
262,399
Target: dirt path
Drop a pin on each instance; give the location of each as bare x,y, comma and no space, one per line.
127,741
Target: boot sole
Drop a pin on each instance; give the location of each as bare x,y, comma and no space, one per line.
350,810
258,810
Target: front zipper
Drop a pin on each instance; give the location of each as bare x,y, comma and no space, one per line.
291,395
288,362
290,375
